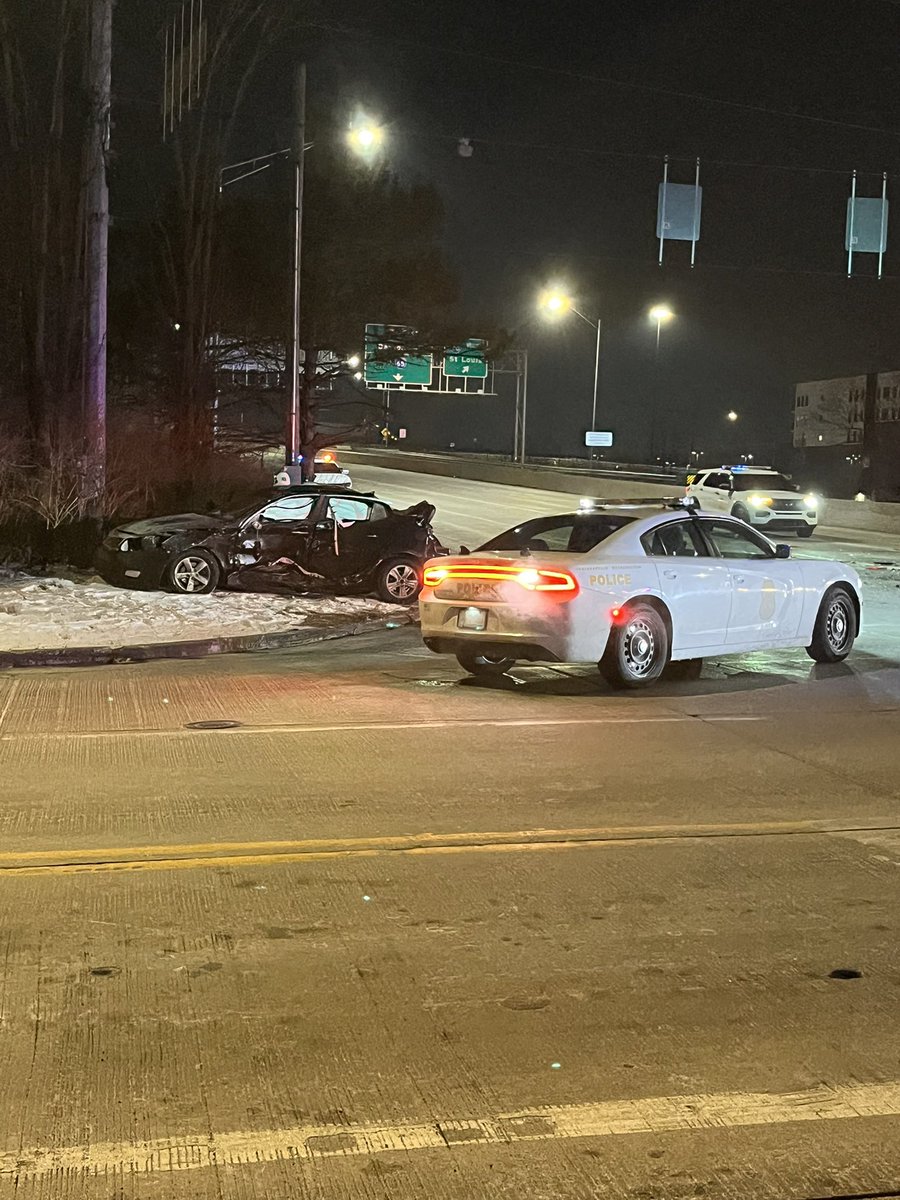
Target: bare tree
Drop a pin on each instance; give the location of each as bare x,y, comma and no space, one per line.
41,205
242,31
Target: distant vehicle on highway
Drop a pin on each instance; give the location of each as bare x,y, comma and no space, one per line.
640,590
760,496
328,472
304,539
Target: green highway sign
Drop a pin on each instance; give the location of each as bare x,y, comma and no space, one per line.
387,361
466,362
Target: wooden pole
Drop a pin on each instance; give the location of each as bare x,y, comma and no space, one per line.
97,252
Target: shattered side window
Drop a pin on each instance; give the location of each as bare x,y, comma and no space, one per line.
288,508
346,510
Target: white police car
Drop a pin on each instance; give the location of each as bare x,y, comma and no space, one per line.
760,496
637,589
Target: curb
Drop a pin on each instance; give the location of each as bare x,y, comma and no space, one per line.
102,656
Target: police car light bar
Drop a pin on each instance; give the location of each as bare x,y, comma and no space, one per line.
687,502
746,467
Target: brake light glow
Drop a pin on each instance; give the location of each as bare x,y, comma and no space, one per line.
534,579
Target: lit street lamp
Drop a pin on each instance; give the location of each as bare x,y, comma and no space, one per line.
662,315
554,303
365,136
731,415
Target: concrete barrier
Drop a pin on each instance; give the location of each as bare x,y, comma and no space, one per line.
551,479
862,515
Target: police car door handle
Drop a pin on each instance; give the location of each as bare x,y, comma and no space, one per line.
670,574
739,579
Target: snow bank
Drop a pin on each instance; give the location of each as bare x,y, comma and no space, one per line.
50,612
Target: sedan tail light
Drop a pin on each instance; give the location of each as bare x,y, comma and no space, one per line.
534,579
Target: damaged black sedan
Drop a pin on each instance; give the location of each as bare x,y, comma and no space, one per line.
305,539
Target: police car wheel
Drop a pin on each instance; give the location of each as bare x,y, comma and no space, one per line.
483,664
835,630
741,513
637,650
805,531
684,669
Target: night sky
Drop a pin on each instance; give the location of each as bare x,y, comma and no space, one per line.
571,107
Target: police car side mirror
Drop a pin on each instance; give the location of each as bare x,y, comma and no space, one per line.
782,550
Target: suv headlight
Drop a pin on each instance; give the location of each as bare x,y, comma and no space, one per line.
811,501
760,501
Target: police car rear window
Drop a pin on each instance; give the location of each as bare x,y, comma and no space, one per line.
576,533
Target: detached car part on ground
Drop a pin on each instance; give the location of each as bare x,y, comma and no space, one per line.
637,591
305,539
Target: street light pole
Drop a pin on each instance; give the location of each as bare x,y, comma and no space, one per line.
596,378
555,303
297,150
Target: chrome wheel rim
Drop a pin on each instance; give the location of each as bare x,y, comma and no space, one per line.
837,625
639,647
402,581
191,574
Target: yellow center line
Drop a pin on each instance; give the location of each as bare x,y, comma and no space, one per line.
716,1112
180,856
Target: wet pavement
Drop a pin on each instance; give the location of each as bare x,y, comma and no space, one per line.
391,932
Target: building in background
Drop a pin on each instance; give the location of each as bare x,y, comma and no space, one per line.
847,433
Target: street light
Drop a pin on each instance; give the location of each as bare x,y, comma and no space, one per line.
365,136
731,415
555,302
661,314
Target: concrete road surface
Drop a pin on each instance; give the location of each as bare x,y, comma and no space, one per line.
394,933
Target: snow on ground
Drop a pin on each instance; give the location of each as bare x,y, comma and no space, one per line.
49,612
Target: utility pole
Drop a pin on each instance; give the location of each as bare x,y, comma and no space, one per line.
297,154
97,250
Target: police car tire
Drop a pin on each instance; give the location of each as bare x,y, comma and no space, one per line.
835,629
483,664
638,648
805,531
741,513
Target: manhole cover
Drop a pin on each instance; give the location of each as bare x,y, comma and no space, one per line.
213,725
845,973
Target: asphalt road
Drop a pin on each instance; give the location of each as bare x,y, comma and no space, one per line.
401,934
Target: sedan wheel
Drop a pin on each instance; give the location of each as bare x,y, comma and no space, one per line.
193,573
398,582
637,650
835,628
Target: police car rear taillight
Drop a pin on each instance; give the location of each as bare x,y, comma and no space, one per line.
534,579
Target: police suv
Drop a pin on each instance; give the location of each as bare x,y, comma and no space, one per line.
760,496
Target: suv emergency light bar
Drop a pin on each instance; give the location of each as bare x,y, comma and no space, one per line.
688,502
744,467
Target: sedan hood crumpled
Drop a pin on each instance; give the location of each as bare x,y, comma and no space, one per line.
181,523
